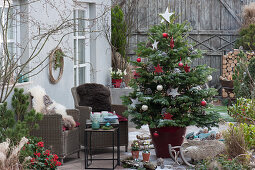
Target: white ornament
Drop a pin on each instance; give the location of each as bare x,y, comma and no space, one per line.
166,15
144,107
155,45
159,87
134,102
174,92
209,78
176,70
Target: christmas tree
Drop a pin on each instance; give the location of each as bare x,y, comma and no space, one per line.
167,91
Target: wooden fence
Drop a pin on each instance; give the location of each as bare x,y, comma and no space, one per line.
215,26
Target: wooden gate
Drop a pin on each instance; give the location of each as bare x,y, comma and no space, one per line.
215,25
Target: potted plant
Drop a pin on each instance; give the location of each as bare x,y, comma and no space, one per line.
117,76
146,152
135,148
168,94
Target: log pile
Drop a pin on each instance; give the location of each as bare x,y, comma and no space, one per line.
229,61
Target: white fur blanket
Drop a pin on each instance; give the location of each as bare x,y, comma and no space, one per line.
43,104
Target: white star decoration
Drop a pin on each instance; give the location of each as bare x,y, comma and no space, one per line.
174,92
155,45
134,102
166,15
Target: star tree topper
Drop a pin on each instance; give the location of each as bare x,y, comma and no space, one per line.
155,45
166,16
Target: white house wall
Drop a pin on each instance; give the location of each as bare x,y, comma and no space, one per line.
100,49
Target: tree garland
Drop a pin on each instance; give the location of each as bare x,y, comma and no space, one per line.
57,61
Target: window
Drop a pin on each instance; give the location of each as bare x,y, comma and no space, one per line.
9,15
81,45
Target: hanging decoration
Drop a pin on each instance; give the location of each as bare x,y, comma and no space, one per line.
148,91
163,111
177,70
158,69
174,92
144,107
159,87
165,35
209,78
155,45
139,60
136,75
172,43
203,103
180,64
167,116
187,68
56,61
150,68
155,134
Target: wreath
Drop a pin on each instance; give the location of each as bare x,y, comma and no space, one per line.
56,61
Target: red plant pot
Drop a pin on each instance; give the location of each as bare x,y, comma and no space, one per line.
146,157
167,135
116,82
135,154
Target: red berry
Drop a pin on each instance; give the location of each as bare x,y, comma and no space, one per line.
165,35
138,60
180,64
155,134
203,103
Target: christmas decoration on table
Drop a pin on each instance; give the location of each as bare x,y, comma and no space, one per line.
139,60
155,45
172,43
166,16
186,68
159,87
158,69
203,103
161,68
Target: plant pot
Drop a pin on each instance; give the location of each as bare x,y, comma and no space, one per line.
167,135
116,82
146,157
135,154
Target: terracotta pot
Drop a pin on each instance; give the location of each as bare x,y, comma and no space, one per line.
135,154
167,135
146,157
116,82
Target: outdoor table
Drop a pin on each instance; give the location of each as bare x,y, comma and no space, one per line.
88,132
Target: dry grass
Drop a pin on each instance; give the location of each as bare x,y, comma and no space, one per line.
9,156
249,14
236,148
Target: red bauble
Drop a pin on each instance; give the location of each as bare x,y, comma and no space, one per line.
203,103
180,64
165,35
172,43
155,134
138,60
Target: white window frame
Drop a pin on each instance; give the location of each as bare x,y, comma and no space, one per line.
84,7
16,32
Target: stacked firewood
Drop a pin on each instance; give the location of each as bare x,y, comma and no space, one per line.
229,61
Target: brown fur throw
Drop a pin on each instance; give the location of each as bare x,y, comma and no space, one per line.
95,95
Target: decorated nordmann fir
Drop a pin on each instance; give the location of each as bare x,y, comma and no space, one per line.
168,92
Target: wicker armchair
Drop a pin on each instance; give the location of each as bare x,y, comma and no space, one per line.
85,114
62,143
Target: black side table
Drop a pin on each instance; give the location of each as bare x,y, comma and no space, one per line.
87,144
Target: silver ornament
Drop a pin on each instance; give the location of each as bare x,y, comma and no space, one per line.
209,78
174,92
148,91
135,102
163,111
176,70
